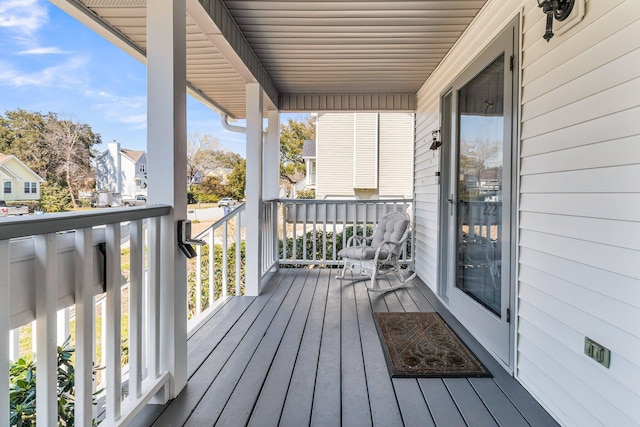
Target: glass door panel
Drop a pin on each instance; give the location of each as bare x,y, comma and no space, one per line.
480,163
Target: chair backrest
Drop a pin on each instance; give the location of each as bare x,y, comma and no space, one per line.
391,227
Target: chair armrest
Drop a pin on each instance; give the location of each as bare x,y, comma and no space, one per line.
359,241
390,244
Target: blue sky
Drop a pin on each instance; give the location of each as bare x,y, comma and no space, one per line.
49,62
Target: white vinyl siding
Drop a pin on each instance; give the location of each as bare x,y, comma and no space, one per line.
396,148
579,203
334,154
365,150
364,155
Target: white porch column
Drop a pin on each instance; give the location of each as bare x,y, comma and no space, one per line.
271,155
254,189
167,164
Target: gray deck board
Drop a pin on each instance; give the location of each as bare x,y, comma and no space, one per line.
498,404
443,409
217,396
382,398
469,403
189,399
240,405
272,396
355,398
299,399
326,410
306,352
415,411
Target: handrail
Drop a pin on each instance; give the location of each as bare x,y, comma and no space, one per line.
236,211
22,226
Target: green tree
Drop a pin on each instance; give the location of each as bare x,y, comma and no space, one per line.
227,159
59,150
237,180
292,137
22,134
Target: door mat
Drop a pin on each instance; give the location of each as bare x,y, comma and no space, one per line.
423,345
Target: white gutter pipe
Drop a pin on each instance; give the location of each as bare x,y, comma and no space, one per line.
224,119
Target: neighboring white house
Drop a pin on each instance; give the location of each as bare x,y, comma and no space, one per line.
19,182
122,171
362,155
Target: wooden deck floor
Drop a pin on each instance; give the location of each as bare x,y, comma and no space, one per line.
306,352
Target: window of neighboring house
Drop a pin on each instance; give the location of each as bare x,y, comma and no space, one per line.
142,168
7,187
30,187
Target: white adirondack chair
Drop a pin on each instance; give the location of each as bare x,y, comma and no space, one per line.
378,254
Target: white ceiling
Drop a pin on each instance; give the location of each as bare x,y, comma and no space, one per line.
298,49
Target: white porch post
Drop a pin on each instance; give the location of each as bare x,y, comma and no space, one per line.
166,146
271,184
254,189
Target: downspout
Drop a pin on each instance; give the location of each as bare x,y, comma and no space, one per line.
231,128
224,119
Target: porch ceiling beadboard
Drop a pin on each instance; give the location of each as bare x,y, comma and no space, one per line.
307,55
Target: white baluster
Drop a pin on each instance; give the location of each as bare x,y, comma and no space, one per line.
46,299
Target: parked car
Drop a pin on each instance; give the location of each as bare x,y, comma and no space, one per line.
227,201
139,200
6,210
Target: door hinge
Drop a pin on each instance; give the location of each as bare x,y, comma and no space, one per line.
511,63
508,315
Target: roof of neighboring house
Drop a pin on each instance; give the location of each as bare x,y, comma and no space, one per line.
309,148
6,157
132,154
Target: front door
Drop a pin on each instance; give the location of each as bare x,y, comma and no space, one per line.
481,203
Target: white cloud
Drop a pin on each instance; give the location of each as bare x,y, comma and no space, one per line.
22,16
68,74
42,51
128,110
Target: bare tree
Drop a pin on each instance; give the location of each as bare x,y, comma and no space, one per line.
201,154
71,142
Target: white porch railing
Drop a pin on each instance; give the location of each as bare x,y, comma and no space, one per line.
312,232
219,273
270,243
217,270
49,263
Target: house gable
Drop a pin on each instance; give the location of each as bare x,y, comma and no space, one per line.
23,183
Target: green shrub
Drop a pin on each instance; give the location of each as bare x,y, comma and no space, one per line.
22,389
204,270
54,197
306,194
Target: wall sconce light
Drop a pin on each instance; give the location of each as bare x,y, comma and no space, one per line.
559,9
436,142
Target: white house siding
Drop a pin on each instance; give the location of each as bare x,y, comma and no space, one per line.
579,203
364,155
365,150
396,148
334,155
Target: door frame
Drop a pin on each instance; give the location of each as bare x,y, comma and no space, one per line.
510,35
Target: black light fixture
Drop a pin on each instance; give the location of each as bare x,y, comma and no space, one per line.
436,142
559,9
